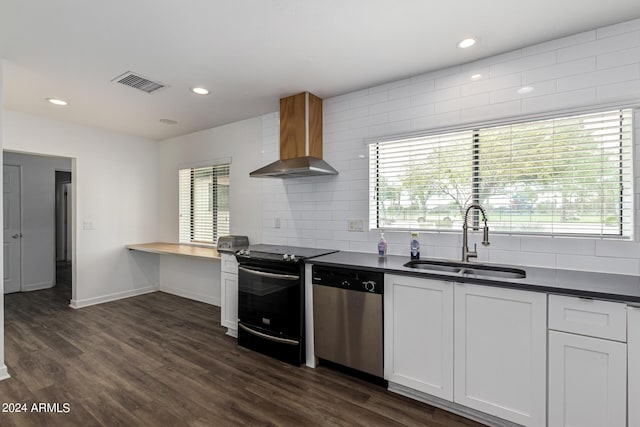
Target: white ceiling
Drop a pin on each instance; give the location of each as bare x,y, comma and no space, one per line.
250,53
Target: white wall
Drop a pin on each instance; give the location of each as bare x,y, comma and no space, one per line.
583,70
38,217
240,141
3,369
115,199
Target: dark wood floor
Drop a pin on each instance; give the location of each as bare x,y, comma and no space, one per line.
161,360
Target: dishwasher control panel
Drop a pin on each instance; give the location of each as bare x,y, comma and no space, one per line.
347,278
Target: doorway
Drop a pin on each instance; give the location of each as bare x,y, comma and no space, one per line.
41,234
12,231
63,231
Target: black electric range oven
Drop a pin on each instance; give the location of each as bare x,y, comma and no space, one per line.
271,300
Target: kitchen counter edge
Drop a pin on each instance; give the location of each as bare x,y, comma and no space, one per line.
585,284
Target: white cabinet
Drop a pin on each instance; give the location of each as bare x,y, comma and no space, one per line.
419,334
501,352
587,381
229,294
587,362
633,355
481,347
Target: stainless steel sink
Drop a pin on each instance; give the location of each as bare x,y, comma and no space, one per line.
468,269
434,266
500,272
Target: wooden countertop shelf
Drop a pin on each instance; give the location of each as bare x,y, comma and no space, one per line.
176,249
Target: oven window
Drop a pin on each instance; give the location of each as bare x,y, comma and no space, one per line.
270,299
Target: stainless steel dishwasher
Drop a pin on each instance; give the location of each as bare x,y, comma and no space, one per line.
347,317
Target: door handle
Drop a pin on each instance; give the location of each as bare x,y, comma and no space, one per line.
15,236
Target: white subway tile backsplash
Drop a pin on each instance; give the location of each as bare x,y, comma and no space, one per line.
511,94
413,112
462,103
613,30
558,101
435,96
370,120
369,99
411,89
389,128
622,91
345,115
524,63
488,84
436,121
600,77
598,264
560,43
555,71
617,249
618,58
599,46
493,111
486,63
558,245
576,71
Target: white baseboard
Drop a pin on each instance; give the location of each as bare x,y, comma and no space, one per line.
111,297
191,295
232,332
37,286
4,373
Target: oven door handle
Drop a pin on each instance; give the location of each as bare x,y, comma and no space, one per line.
268,337
269,275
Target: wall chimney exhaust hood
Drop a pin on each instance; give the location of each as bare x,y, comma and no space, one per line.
300,140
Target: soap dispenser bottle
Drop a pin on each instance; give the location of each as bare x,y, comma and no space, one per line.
382,246
415,246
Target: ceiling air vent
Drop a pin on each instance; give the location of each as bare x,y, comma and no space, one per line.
138,82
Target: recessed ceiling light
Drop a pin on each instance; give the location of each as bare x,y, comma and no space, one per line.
168,122
199,91
525,89
467,43
476,77
57,101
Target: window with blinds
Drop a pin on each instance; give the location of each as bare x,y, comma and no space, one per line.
560,176
204,204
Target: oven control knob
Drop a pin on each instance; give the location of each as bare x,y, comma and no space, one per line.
286,257
292,258
370,286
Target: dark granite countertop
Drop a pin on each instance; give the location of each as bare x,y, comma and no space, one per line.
616,287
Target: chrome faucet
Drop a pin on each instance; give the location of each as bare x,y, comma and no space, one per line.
466,253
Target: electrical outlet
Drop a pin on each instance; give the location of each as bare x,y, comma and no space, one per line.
276,222
355,225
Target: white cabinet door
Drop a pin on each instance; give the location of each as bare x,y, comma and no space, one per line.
633,355
587,381
229,294
229,299
501,352
418,334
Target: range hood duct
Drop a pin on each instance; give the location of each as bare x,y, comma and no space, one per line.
300,140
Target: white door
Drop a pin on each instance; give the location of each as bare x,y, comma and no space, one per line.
500,362
418,331
12,235
587,381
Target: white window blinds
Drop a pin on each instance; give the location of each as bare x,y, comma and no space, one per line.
560,176
203,203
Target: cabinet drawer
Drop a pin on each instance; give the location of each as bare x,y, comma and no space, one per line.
229,263
595,318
